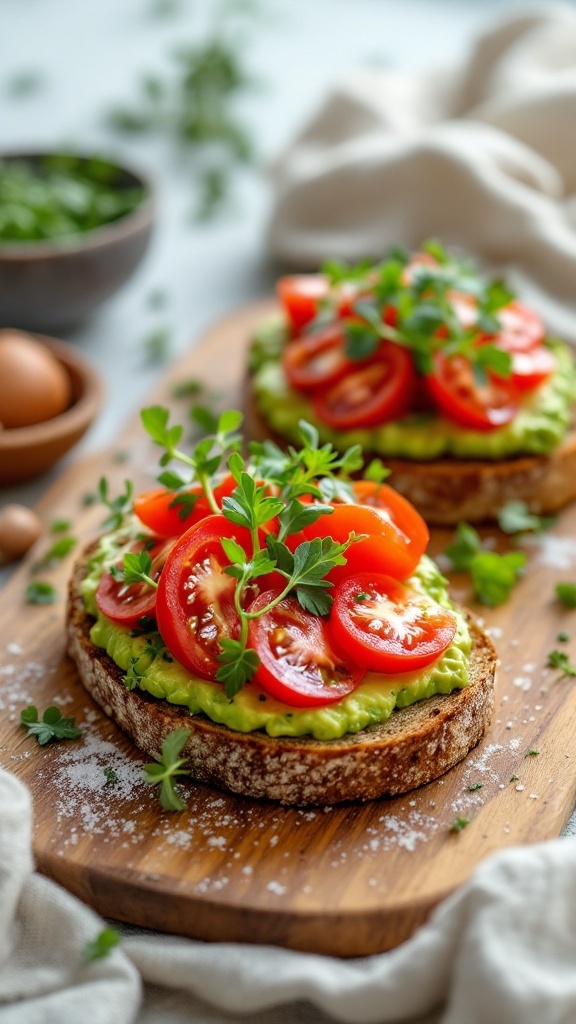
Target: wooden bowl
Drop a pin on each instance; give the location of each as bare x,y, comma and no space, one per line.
26,452
52,285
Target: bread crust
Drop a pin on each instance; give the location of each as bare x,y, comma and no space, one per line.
449,490
416,744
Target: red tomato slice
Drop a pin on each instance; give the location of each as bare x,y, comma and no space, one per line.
298,663
127,603
460,398
375,392
387,627
386,549
300,296
522,328
162,512
395,510
195,602
318,359
530,369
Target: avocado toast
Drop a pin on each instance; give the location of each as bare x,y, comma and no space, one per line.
449,379
308,647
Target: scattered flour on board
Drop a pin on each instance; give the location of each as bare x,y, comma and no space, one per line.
553,552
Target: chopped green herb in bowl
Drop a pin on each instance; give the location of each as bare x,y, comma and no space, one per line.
73,228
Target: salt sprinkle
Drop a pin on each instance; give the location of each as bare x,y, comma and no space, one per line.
276,888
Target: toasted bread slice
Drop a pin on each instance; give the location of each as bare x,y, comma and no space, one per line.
448,490
415,745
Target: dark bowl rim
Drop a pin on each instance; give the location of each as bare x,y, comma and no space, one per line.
140,217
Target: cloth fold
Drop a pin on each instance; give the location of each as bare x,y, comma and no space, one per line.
502,949
480,156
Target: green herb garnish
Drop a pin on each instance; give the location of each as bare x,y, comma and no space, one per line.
102,945
40,592
51,727
110,776
516,517
493,576
459,823
59,550
566,594
532,753
169,767
119,507
560,660
61,196
60,525
562,637
474,786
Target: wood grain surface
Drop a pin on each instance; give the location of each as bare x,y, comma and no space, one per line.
347,881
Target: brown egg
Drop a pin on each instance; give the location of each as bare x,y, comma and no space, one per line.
34,386
20,527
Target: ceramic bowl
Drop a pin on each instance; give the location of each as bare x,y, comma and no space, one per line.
53,285
25,452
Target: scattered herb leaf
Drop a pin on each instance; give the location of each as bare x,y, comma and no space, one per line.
516,517
170,765
52,726
566,594
40,592
102,945
459,823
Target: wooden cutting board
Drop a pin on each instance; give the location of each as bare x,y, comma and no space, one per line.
347,881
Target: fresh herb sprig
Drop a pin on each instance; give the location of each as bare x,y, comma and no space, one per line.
425,319
51,727
268,489
119,508
169,767
207,456
102,945
493,576
559,660
566,594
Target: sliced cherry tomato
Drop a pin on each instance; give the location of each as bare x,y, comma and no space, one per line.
298,663
375,392
458,395
395,510
195,601
388,627
318,359
530,369
521,328
171,513
127,603
300,296
386,548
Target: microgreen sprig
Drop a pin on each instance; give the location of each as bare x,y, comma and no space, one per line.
425,319
207,456
52,726
168,768
493,576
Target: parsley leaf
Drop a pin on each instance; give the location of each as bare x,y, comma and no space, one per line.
102,945
516,517
561,661
237,665
465,546
52,726
59,550
494,576
459,823
40,592
168,768
566,594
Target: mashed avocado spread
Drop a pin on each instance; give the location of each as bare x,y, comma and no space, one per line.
539,427
251,709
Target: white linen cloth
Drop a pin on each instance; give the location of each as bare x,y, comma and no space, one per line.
502,949
485,157
481,156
